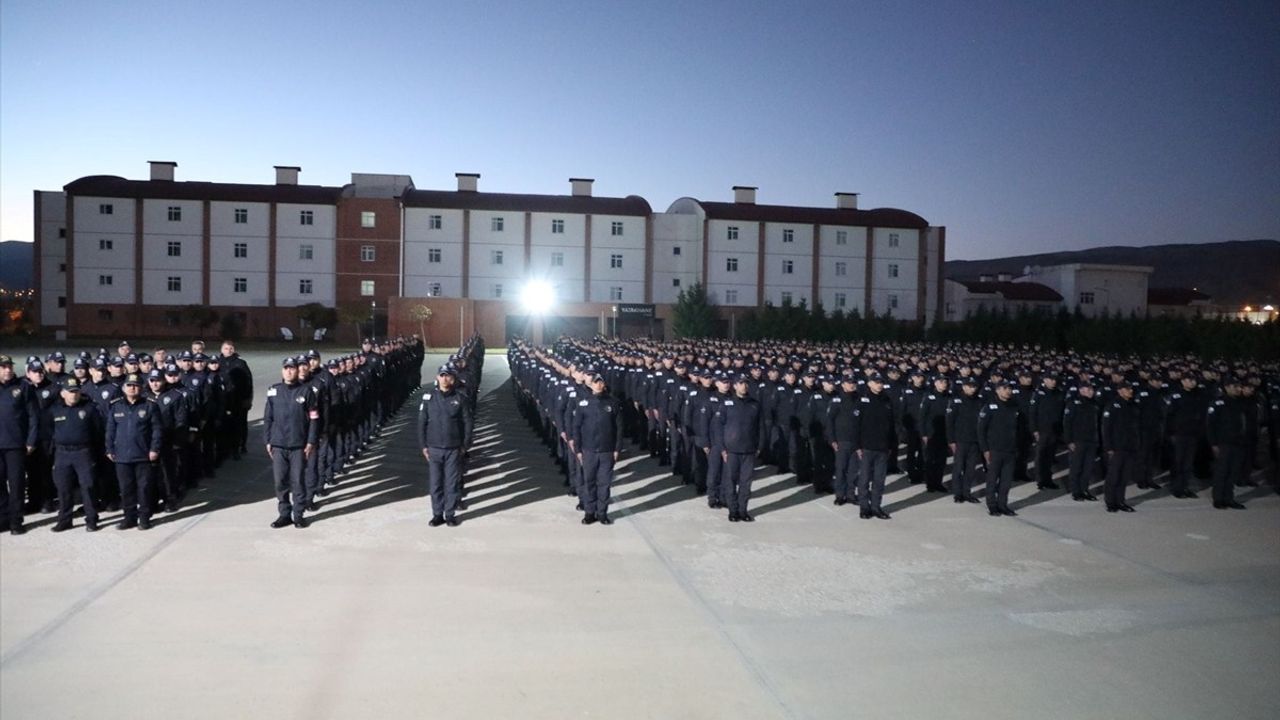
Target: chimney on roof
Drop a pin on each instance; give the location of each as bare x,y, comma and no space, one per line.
846,201
467,182
984,278
287,174
162,169
744,194
581,186
1004,277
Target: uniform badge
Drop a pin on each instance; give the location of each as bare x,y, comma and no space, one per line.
142,413
167,400
82,414
301,399
44,393
106,394
16,392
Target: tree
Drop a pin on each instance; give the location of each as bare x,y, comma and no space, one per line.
315,315
421,313
693,316
354,314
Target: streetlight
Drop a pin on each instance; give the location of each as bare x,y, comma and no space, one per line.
373,313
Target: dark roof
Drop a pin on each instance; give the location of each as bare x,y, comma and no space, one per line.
751,212
1027,291
1174,296
118,187
579,204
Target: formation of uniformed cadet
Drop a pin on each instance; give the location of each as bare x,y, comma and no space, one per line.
999,414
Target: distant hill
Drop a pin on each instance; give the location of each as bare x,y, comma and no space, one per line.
1236,272
15,265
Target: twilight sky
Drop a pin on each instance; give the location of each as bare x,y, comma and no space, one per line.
1021,126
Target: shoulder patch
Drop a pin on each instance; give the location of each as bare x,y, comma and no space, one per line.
271,392
994,406
582,403
865,400
728,402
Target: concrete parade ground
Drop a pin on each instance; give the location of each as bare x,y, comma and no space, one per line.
1065,611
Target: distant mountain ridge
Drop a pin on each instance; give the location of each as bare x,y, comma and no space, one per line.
1233,272
16,263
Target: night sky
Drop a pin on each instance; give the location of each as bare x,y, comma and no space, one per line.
1021,126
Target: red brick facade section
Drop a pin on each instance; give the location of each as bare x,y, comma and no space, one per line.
384,270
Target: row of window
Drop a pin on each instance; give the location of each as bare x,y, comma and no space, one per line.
789,236
498,224
306,251
240,215
789,267
306,286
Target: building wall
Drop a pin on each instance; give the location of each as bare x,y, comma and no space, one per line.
568,279
630,246
119,228
292,267
384,237
51,231
419,239
853,254
799,252
670,231
904,255
719,249
487,279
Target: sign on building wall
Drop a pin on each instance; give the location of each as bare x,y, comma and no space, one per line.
635,310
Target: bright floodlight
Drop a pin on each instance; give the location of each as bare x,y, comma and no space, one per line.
537,297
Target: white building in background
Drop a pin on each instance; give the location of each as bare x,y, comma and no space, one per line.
1095,289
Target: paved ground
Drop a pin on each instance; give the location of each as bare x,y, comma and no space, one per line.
1065,611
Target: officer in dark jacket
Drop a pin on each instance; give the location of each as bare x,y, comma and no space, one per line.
19,418
134,438
962,431
1081,430
289,428
841,415
1122,441
1185,412
171,404
874,436
445,425
998,426
1151,400
1227,433
933,433
735,428
1048,403
77,431
597,441
238,379
40,462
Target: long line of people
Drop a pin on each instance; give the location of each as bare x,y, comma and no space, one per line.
840,416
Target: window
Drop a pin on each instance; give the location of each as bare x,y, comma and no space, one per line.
106,280
433,255
367,253
496,224
1086,298
615,261
62,232
495,257
241,250
368,219
172,318
893,270
433,290
240,285
435,222
557,227
242,216
304,286
615,228
366,288
731,264
306,217
306,251
175,248
106,315
893,240
675,282
615,292
731,297
731,233
675,249
842,269
497,290
557,259
788,235
175,283
893,301
106,245
786,297
788,267
175,213
106,209
62,267
62,301
842,237
841,300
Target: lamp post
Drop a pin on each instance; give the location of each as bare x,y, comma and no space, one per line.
373,314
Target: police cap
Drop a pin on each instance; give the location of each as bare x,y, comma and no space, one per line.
289,362
133,379
71,384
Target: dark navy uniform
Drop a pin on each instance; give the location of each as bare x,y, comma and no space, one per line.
933,436
289,428
1122,441
1185,412
445,425
735,427
1046,411
841,415
1227,434
962,431
134,438
77,431
875,438
597,436
1080,429
19,418
998,426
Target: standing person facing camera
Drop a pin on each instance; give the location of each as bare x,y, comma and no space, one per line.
597,441
289,427
445,425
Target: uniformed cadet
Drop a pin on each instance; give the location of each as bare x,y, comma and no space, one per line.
1023,392
841,416
445,426
715,455
175,422
874,435
1122,442
19,418
1227,435
735,429
962,432
1081,428
289,429
1151,400
1186,409
134,439
311,463
597,440
77,430
40,489
933,433
211,416
908,408
1048,403
998,425
238,379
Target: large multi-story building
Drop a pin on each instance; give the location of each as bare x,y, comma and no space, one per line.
125,257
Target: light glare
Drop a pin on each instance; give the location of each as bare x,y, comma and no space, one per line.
537,297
